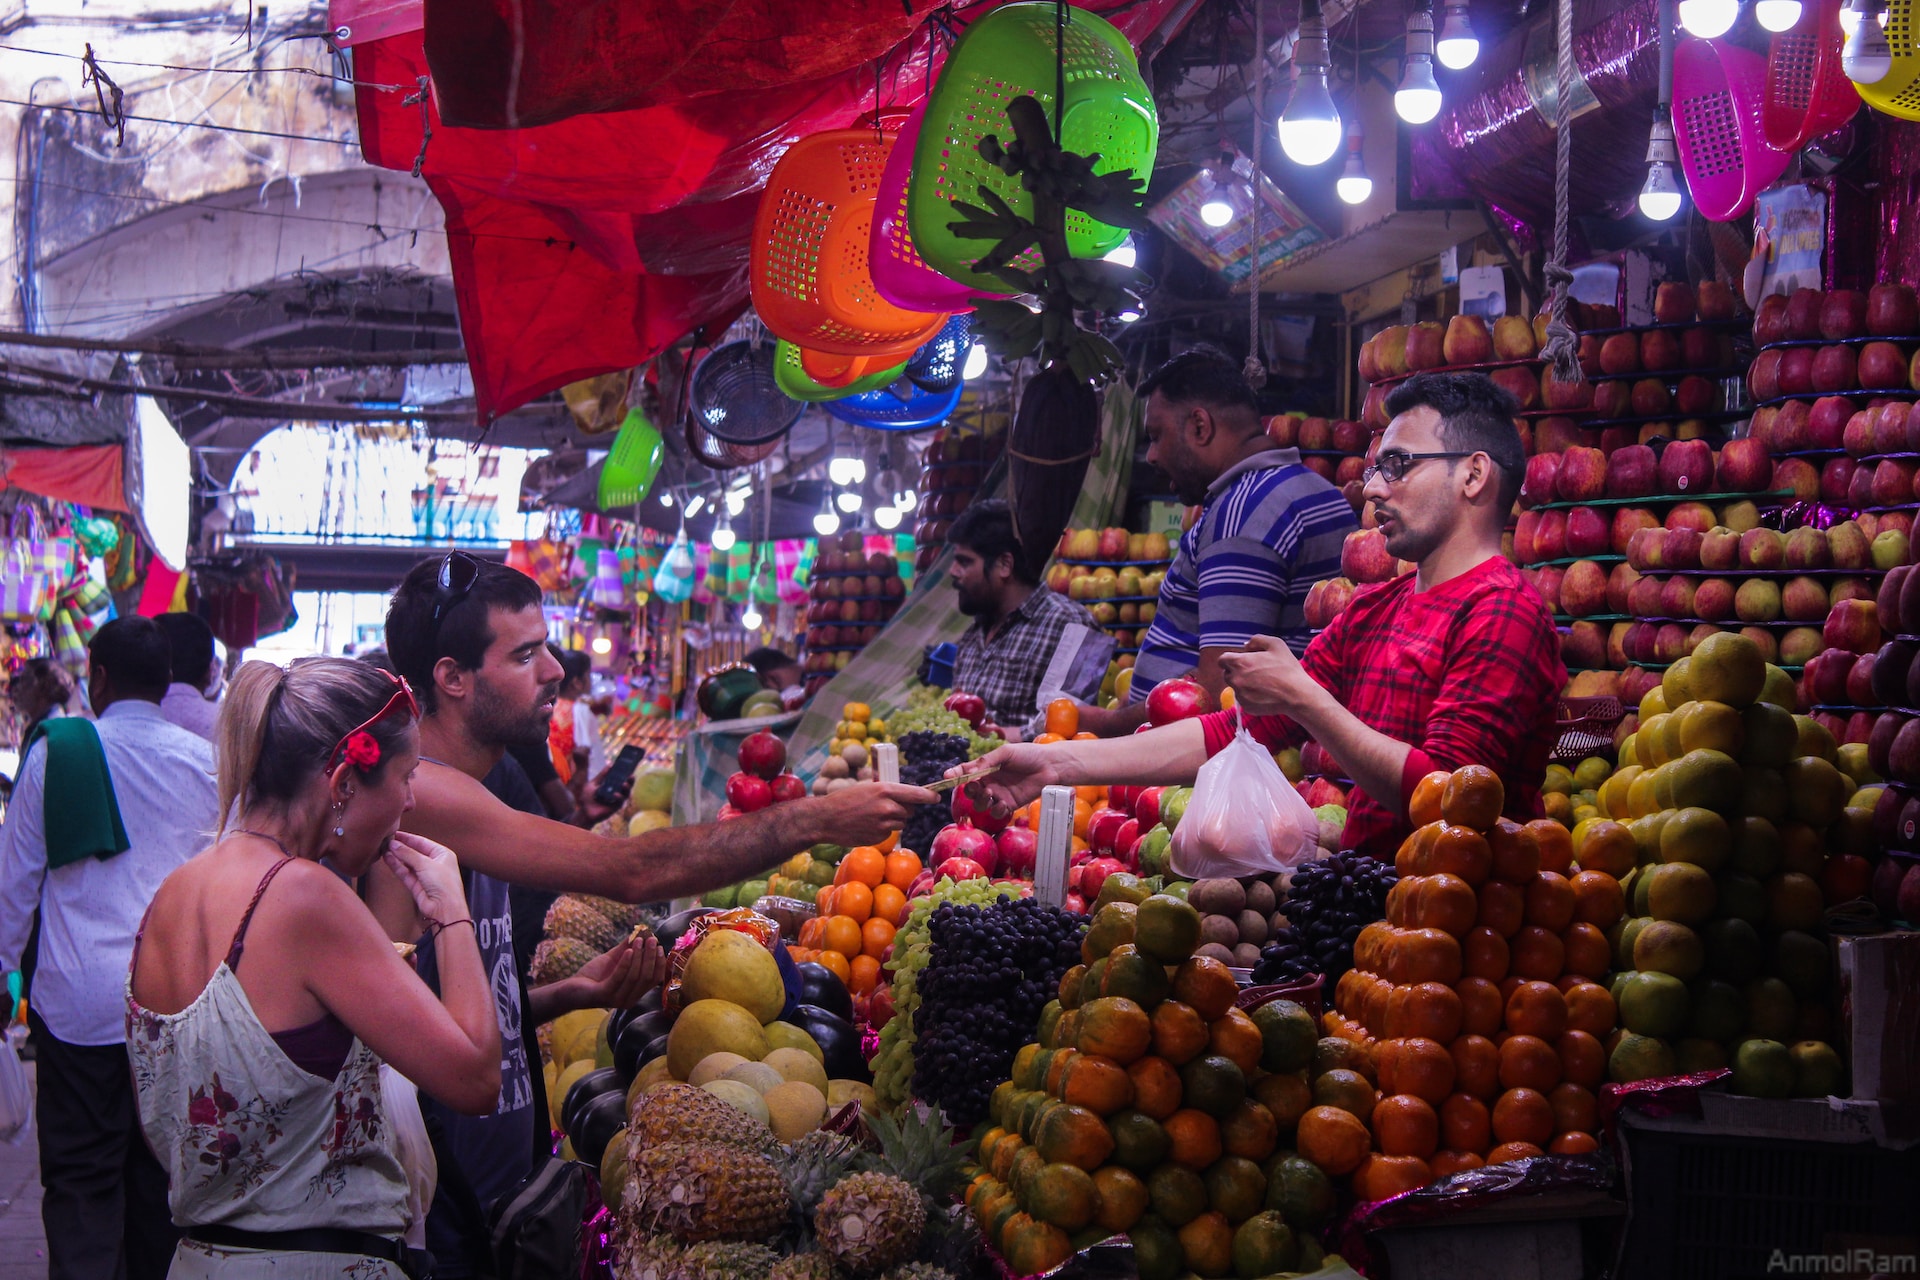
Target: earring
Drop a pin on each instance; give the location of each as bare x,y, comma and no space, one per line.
338,830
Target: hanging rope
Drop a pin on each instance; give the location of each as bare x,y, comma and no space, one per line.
1563,344
1255,371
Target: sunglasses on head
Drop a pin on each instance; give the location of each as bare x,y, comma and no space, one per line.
366,754
458,572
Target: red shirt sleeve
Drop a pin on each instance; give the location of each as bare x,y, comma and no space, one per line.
1275,732
1502,679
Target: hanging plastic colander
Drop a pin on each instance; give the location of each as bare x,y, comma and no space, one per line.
1717,90
721,456
631,464
901,407
1004,55
789,370
1807,95
735,396
898,272
937,366
1898,93
810,278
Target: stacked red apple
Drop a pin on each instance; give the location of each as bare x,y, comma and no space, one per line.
762,779
952,468
1335,448
1116,574
1664,379
852,595
1847,400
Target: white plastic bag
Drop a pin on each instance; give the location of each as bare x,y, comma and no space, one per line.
1244,819
414,1149
16,1091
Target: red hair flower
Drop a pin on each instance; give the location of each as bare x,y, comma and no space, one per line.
361,751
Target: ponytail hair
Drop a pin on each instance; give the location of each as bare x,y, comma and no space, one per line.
278,727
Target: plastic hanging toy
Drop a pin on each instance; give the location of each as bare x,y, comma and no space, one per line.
1717,92
1006,54
811,280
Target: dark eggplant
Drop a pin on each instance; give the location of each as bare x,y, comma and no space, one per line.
656,1048
598,1124
821,987
630,1047
839,1043
585,1090
650,1001
673,926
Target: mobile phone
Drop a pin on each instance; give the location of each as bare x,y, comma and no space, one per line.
618,779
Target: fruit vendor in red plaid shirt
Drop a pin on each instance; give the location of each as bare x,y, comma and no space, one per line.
1455,663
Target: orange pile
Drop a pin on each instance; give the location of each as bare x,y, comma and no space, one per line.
1479,999
858,914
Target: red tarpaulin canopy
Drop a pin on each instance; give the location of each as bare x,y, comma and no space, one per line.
590,241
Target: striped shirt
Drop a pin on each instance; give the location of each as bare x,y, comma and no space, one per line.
1270,530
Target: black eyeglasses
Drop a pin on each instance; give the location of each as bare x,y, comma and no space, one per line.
1395,465
458,572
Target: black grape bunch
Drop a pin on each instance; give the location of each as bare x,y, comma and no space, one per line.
991,971
1328,902
925,758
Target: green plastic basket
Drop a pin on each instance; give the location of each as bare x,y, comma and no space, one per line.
630,467
793,378
1006,54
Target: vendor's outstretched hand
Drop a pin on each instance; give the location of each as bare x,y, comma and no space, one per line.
1024,769
1266,679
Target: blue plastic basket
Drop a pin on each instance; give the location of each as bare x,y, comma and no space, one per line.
900,407
936,366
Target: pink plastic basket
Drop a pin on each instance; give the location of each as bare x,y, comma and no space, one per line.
1717,92
898,272
1807,94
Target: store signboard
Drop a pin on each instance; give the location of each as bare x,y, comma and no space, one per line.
1794,222
1284,229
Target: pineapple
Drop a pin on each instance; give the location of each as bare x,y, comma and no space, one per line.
558,958
919,1148
805,1266
649,1258
728,1260
870,1221
701,1192
625,917
812,1164
573,916
680,1113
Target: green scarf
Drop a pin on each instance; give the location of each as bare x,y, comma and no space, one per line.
80,816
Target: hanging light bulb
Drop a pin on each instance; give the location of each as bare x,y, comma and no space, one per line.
1660,197
696,506
1417,100
601,645
1123,254
750,616
1218,210
887,517
826,521
905,500
1458,47
846,471
1866,56
848,500
1128,316
1777,15
1310,126
976,362
1709,19
666,500
1354,185
722,536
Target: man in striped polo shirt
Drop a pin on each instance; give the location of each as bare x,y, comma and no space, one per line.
1268,531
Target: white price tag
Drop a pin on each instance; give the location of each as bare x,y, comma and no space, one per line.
1054,846
886,762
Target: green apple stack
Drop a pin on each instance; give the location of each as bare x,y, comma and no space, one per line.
1730,805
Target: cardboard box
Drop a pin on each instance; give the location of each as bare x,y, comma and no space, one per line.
1880,1014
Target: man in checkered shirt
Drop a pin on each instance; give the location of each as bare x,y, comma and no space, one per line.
1027,645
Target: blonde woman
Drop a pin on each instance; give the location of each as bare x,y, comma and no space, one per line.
263,996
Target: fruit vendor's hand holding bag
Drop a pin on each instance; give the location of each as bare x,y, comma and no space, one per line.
1244,819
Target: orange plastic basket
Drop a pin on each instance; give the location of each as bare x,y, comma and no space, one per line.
1807,95
811,281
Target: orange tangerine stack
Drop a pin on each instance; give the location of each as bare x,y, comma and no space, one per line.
858,914
1479,999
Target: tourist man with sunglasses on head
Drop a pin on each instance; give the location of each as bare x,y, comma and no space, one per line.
1455,663
471,639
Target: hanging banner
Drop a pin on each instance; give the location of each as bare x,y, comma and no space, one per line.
1794,222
